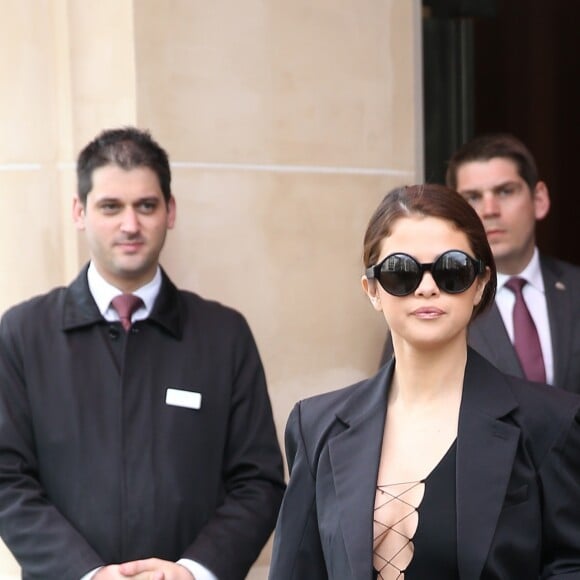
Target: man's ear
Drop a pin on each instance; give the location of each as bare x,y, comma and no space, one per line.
541,200
78,211
371,290
171,212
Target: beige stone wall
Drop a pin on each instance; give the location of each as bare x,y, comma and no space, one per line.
285,121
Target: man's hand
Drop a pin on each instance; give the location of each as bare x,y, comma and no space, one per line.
152,569
109,573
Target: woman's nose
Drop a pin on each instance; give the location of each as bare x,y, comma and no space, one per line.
427,286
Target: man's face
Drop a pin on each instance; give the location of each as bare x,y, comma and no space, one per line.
125,220
507,208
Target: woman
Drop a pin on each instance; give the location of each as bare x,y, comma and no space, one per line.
439,467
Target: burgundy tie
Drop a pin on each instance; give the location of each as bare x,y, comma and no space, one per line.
526,339
125,305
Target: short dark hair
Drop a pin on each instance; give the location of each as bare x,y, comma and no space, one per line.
128,148
486,147
431,200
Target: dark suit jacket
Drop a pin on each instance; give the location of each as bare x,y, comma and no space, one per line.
96,468
518,474
487,333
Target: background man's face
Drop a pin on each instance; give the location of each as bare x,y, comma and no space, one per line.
507,208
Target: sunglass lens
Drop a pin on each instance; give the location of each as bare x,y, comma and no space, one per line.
454,272
399,275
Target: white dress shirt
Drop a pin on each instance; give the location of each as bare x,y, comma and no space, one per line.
103,293
535,298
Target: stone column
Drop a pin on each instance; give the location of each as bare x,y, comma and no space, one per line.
286,122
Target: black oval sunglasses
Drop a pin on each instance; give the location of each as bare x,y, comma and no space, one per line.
399,274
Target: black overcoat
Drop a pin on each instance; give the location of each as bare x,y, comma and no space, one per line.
96,468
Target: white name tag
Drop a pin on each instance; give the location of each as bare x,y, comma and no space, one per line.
180,398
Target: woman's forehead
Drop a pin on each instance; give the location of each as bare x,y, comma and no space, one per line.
424,237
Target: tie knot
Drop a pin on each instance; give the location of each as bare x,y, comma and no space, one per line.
516,284
125,305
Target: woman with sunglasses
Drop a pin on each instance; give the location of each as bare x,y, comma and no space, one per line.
440,466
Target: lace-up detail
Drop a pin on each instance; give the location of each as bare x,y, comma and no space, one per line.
394,524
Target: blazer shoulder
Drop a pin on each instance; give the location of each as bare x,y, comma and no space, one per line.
560,269
322,408
543,412
320,416
312,422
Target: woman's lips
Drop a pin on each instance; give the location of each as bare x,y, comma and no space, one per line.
427,312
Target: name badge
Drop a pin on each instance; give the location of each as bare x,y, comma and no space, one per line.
181,398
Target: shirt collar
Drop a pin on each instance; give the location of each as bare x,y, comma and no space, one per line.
532,274
103,292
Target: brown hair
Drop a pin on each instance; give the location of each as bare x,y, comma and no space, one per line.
437,201
128,148
486,147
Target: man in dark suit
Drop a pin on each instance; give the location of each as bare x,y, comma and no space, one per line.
133,444
497,175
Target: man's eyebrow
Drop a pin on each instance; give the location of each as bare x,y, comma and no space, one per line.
147,199
504,184
495,188
108,200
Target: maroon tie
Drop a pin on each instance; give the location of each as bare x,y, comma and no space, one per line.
125,305
526,339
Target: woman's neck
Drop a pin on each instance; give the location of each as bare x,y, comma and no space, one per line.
423,376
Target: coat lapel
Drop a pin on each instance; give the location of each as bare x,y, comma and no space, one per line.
168,309
489,337
354,458
486,447
558,302
79,307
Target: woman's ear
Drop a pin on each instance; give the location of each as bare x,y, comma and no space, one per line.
481,284
370,288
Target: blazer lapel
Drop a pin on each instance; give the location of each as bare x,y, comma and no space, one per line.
486,447
489,337
354,458
558,303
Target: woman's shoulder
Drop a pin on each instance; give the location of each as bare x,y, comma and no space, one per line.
542,413
547,417
321,415
328,404
535,399
544,404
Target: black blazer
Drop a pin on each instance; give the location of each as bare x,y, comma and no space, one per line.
518,480
488,335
